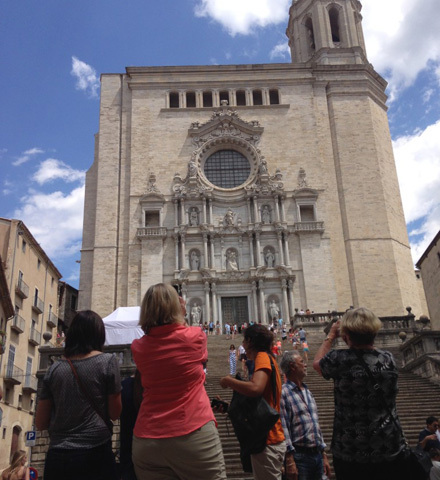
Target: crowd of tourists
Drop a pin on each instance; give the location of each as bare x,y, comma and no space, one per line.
168,427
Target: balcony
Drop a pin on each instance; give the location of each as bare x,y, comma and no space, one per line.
30,384
152,232
34,337
38,305
52,320
308,227
13,374
18,324
22,289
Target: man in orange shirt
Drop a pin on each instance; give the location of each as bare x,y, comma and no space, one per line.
258,340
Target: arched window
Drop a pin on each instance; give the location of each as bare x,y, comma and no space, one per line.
310,35
190,99
257,97
227,169
241,97
334,25
174,100
274,97
224,95
207,99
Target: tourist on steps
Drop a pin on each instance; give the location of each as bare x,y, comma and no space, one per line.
175,436
368,441
257,342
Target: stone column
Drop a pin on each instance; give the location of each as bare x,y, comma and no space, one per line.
286,244
265,95
176,213
249,99
205,220
283,209
257,238
212,252
211,219
182,251
255,300
182,99
207,303
199,99
205,250
263,313
280,247
232,97
176,244
251,249
285,301
214,302
182,212
257,218
277,208
291,300
248,201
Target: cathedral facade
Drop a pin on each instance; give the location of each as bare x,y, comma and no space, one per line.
258,190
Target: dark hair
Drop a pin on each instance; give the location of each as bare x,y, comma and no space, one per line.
430,420
86,333
232,347
259,337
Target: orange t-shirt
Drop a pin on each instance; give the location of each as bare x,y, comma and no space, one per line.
262,362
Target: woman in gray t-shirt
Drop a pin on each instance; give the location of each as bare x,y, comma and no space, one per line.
80,396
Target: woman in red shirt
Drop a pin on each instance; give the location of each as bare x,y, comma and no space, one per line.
257,343
175,435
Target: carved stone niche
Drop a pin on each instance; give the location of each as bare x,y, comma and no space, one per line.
194,257
269,257
266,214
193,217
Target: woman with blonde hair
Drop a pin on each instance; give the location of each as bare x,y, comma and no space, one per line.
367,440
175,436
17,470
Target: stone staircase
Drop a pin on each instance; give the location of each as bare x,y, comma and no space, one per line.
417,399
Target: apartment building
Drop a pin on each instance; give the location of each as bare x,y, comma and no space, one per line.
29,318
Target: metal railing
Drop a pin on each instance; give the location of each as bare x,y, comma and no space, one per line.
38,305
34,337
52,320
18,323
30,383
22,289
13,374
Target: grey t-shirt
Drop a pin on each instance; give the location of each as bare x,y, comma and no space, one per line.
74,422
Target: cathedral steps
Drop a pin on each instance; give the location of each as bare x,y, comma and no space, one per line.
418,398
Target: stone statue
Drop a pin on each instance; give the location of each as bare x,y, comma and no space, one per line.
270,258
193,217
194,260
196,314
265,214
263,167
231,260
192,167
229,217
274,310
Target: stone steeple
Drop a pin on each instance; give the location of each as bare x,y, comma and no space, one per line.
326,32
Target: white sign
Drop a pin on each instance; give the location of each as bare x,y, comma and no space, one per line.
31,438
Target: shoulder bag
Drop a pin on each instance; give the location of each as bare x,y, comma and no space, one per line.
108,423
252,419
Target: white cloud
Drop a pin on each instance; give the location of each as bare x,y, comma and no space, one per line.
282,50
27,155
55,219
52,169
86,78
402,38
418,168
243,16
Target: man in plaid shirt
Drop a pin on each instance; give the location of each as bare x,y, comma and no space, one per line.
305,456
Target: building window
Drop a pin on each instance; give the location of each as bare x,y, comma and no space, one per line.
1,418
307,213
207,99
23,245
241,97
310,35
38,264
174,100
224,96
227,169
52,281
152,219
274,97
334,25
257,97
73,302
190,99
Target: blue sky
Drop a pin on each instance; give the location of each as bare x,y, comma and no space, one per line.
52,53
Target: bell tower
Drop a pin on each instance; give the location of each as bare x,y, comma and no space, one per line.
327,32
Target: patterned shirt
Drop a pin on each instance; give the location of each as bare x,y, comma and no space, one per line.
299,416
363,430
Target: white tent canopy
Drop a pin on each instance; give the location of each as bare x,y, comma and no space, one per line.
121,326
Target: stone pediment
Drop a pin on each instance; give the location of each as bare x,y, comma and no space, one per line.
225,123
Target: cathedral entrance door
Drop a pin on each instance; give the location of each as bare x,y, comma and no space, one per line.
235,310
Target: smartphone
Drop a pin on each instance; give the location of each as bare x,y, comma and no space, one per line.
216,403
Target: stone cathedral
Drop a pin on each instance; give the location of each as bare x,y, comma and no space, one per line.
258,190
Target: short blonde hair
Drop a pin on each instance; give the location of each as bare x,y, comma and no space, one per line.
360,324
160,306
